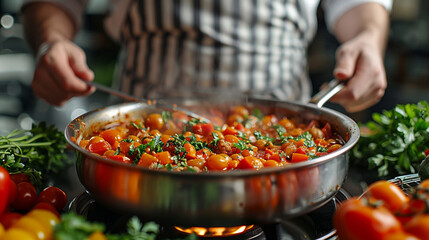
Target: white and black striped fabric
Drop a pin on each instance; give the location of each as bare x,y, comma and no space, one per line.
179,47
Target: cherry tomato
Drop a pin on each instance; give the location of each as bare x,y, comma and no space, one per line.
217,162
111,135
4,189
98,145
392,196
19,177
354,220
154,121
16,233
97,235
12,192
54,196
419,226
9,218
48,207
34,227
26,196
1,230
46,217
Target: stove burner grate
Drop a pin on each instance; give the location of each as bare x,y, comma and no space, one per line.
314,225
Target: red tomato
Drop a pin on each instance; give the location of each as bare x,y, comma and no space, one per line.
419,226
19,177
12,192
392,195
4,189
191,153
54,196
98,145
230,131
47,206
217,162
146,160
120,158
154,121
26,196
299,157
203,129
250,162
354,220
9,218
327,131
427,152
111,135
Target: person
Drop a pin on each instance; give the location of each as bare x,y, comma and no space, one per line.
255,47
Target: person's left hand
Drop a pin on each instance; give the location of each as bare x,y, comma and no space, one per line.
361,61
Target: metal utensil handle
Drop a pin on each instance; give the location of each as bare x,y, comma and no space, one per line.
113,91
332,88
134,99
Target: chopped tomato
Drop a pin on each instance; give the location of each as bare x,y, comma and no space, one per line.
120,158
203,129
191,153
299,157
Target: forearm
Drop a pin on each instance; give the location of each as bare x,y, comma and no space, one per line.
45,22
370,20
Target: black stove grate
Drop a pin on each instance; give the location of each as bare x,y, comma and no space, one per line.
314,225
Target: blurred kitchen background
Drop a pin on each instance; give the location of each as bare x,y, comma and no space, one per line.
407,64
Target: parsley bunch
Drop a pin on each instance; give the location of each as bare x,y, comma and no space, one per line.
397,140
35,152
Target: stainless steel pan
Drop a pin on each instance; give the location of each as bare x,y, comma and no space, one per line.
215,198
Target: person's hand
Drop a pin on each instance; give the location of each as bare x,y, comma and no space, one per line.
361,61
61,67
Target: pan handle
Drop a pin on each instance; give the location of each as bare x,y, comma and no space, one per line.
332,88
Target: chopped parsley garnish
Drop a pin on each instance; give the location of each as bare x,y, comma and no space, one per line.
216,139
166,116
258,135
257,113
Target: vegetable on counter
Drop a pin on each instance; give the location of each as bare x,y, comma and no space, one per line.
36,152
385,212
397,140
75,226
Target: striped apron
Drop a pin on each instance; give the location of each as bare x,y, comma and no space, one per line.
176,48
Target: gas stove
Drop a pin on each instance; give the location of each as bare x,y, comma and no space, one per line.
313,225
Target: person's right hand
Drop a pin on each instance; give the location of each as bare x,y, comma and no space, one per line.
60,68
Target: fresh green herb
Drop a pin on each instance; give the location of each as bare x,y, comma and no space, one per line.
189,124
74,226
258,135
257,113
140,127
166,116
321,149
37,152
280,130
241,145
215,140
241,135
397,140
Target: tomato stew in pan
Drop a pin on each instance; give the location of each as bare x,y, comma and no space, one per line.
247,139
